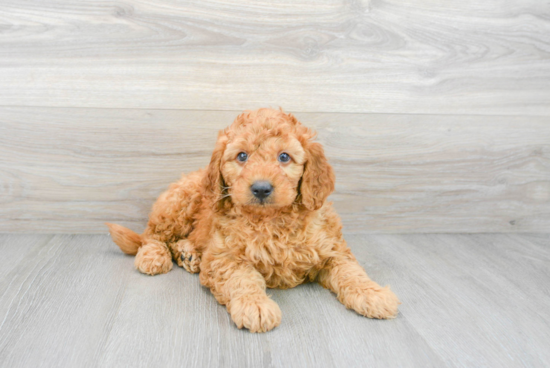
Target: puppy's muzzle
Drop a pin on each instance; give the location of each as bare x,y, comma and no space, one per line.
261,189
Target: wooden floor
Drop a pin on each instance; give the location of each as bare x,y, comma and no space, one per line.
468,300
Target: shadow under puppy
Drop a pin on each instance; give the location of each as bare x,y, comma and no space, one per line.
256,217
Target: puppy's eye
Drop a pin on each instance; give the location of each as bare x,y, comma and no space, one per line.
242,157
284,157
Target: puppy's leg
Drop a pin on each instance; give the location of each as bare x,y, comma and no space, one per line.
153,258
353,287
186,255
242,289
165,227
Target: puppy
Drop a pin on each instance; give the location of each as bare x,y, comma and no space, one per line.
257,218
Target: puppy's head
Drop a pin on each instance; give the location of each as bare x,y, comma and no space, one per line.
266,159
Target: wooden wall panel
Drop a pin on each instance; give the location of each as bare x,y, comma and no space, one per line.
391,56
71,169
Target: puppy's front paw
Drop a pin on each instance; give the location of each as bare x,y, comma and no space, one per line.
258,313
374,302
153,259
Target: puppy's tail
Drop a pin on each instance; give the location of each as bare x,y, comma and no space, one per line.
128,241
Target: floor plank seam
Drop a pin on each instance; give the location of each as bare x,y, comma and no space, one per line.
238,111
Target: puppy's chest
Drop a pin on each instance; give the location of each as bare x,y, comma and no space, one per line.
284,256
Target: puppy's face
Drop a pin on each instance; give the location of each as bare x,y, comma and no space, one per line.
266,159
263,167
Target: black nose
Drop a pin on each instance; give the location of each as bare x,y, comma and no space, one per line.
261,189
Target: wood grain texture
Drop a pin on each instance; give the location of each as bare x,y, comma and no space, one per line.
482,296
390,56
57,306
467,300
70,170
15,249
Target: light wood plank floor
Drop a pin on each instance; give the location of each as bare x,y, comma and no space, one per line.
468,300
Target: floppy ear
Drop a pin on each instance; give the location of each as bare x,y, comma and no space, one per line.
318,178
213,181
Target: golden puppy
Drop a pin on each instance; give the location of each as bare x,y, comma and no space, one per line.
256,217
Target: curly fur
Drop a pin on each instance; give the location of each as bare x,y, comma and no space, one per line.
209,222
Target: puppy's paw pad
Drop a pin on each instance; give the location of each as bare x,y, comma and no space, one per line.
190,261
186,256
256,313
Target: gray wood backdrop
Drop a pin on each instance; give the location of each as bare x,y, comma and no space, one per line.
436,116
